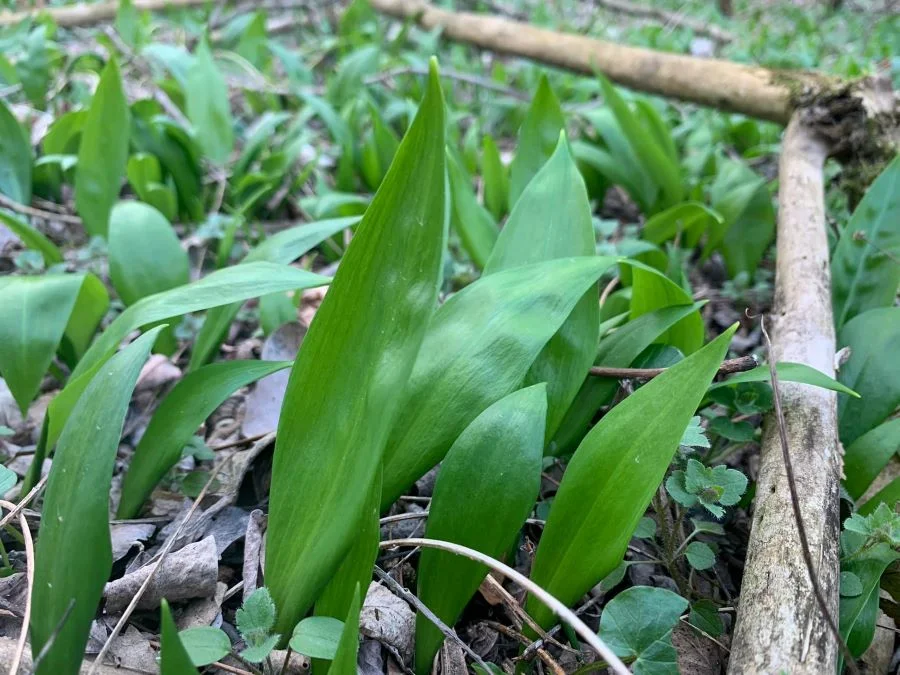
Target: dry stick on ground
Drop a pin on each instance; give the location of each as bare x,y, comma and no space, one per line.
25,501
12,205
738,365
669,18
780,627
29,576
557,607
88,14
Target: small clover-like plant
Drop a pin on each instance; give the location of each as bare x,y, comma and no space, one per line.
694,437
255,621
711,487
879,527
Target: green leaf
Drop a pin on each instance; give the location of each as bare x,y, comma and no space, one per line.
15,158
592,518
705,616
176,419
788,372
205,644
474,225
654,291
317,637
858,613
552,219
485,489
740,432
699,555
259,652
33,316
384,291
145,256
864,269
31,236
174,658
889,495
219,288
690,219
538,137
256,617
707,526
103,152
851,586
637,624
872,338
75,528
8,479
344,662
646,528
283,248
208,106
496,179
694,436
90,308
479,346
868,455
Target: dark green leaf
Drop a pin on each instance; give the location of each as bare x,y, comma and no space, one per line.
705,616
205,644
646,528
15,158
90,308
690,219
485,489
32,238
592,517
787,372
208,106
317,637
699,555
496,180
538,137
103,152
868,455
851,586
344,662
474,225
174,658
75,529
740,432
858,613
653,291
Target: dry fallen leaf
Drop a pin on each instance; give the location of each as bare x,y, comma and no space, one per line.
264,402
388,619
126,535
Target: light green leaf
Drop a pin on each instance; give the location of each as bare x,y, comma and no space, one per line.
259,652
868,455
888,495
31,236
384,291
208,106
75,528
788,372
90,308
699,555
145,256
691,219
592,518
496,179
865,273
485,489
33,316
479,346
174,658
8,479
474,225
176,419
283,248
653,291
538,137
695,435
15,158
872,337
637,624
552,219
205,644
317,637
344,662
103,152
256,616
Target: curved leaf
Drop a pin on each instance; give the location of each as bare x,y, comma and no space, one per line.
208,106
474,225
868,455
90,308
788,372
538,137
690,218
344,662
32,238
652,291
359,352
174,659
485,489
496,179
176,419
15,158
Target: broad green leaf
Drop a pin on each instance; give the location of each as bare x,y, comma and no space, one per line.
865,272
103,152
485,489
222,287
33,316
637,625
654,159
538,137
174,658
344,662
317,637
699,555
205,644
618,350
858,613
690,219
474,225
384,291
128,23
275,310
496,179
872,370
75,528
89,310
208,106
788,372
15,158
479,346
592,518
705,616
888,495
176,419
653,291
145,256
32,237
868,455
552,219
283,248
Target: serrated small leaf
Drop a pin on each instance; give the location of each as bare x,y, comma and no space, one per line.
675,486
205,644
256,617
258,653
695,435
699,555
317,637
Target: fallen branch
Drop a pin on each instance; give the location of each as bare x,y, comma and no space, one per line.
668,18
738,365
780,627
86,15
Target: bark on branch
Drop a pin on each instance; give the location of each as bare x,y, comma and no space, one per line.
668,18
780,627
86,15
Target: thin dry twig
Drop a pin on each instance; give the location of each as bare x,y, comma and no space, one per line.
798,516
29,576
25,501
738,365
538,644
170,543
12,205
557,607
